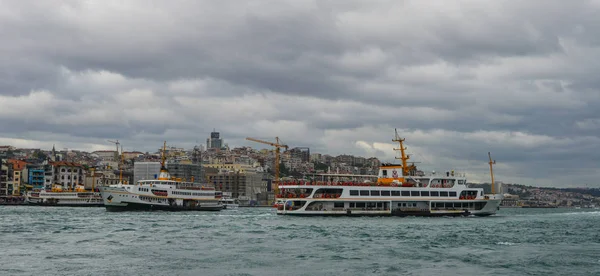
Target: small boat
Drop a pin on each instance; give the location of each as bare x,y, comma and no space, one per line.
230,203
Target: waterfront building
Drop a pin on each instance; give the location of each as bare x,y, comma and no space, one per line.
102,178
35,176
65,174
4,173
187,171
510,201
145,171
245,186
242,168
14,186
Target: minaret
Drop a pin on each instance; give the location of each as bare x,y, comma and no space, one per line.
53,153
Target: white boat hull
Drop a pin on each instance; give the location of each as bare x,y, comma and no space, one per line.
119,199
67,199
489,207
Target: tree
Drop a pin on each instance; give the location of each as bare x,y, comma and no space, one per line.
321,166
283,170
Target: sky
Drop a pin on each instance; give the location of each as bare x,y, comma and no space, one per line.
457,79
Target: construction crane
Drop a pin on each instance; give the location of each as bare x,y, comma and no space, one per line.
117,152
277,146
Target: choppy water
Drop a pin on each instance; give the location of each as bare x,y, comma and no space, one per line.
255,241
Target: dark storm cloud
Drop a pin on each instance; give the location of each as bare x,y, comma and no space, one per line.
458,78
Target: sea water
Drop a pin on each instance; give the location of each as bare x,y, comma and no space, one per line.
256,241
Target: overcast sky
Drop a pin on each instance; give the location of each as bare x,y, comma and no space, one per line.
457,78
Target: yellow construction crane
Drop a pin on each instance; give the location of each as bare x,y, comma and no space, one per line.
277,146
116,152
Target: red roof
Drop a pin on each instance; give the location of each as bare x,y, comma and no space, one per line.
17,164
66,164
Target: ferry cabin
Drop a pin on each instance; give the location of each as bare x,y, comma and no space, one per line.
445,194
169,191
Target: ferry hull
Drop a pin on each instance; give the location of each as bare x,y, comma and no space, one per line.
66,201
489,207
388,214
66,204
150,207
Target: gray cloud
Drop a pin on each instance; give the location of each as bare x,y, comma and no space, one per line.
458,79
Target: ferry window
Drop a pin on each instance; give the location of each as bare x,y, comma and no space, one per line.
395,193
364,193
384,172
453,194
405,193
461,182
435,193
360,205
385,193
338,205
424,193
443,193
414,193
375,193
353,192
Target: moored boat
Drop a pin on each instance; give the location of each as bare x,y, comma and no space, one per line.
228,202
400,190
56,196
163,193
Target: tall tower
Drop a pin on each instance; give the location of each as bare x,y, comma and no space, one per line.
53,158
214,142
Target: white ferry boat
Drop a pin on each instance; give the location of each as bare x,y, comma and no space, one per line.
59,197
164,193
400,190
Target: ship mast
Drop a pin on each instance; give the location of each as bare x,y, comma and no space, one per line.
164,173
403,156
93,169
121,167
163,158
492,162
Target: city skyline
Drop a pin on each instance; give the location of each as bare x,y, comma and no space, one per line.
335,77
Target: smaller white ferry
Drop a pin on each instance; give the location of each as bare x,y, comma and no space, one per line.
400,190
229,202
57,196
164,193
